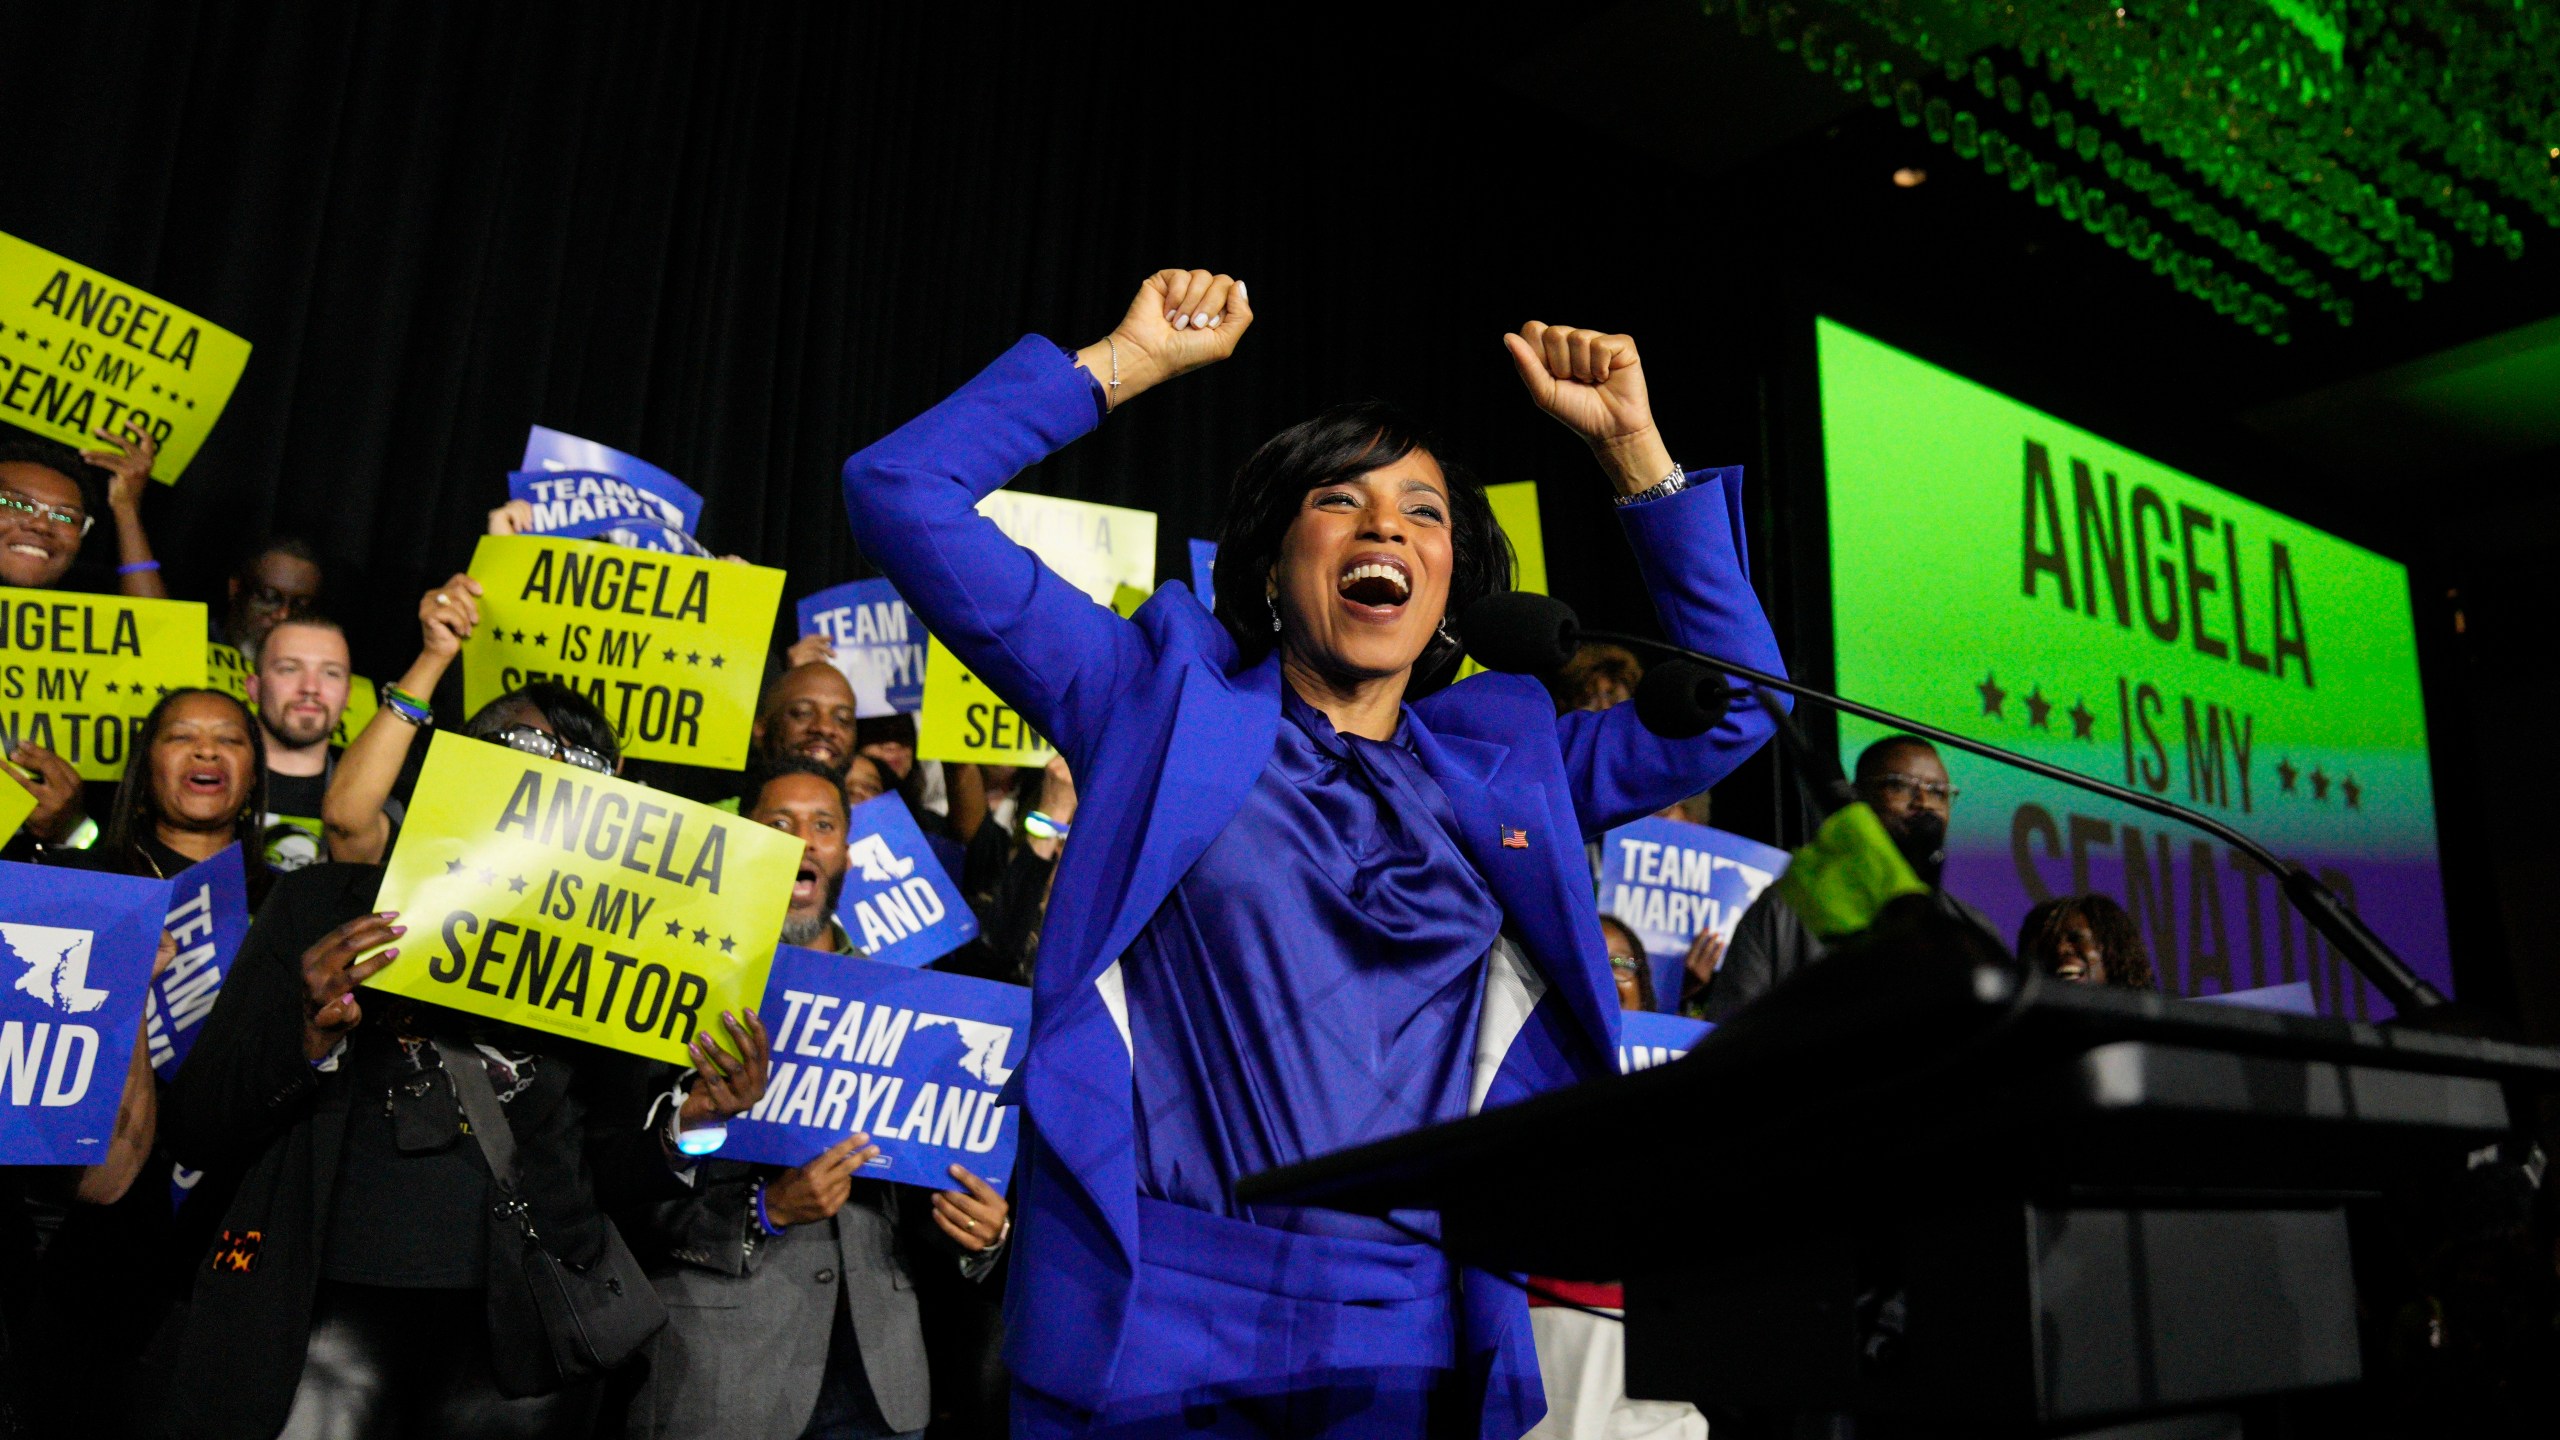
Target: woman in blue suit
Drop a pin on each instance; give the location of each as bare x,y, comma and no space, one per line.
1298,912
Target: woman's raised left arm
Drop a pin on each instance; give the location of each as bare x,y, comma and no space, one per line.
1690,548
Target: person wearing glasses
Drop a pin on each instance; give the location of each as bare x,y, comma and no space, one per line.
1902,779
280,578
340,1238
45,513
1627,964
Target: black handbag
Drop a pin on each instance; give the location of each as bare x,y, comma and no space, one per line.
590,1317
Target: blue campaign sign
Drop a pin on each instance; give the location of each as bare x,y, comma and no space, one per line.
209,915
76,952
912,1058
1647,1039
588,504
899,904
556,451
1670,879
878,641
1204,560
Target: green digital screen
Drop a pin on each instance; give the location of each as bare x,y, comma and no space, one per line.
2013,578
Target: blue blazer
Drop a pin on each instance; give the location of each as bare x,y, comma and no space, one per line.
1167,730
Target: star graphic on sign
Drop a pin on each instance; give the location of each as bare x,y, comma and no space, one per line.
694,658
701,936
519,637
2286,774
191,404
488,876
539,638
668,655
453,867
1992,695
728,944
111,687
2039,709
516,884
162,689
43,344
674,928
155,389
2353,791
719,660
2084,721
2319,784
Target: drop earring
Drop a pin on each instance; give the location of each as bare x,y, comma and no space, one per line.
1272,599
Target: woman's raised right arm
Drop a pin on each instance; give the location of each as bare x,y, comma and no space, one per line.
1041,643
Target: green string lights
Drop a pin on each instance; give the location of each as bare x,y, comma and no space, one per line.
2257,154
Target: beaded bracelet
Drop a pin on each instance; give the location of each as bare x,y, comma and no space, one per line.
764,1217
137,567
408,707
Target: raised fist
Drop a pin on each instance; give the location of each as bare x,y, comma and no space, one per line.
1180,321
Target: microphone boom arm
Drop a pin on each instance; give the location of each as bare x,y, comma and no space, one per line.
2407,991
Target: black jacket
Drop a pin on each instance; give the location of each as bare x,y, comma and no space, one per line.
250,1109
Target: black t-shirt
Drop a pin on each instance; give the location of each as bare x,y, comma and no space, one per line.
293,819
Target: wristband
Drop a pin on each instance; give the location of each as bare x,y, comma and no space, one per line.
1040,827
137,567
408,707
764,1217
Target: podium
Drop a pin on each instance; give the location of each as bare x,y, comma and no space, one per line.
1941,1195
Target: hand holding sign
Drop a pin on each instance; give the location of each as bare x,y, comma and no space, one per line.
973,1217
447,615
809,1193
726,1085
331,972
127,458
56,788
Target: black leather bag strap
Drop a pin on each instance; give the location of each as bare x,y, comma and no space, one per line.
481,1106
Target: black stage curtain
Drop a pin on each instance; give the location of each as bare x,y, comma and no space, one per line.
743,240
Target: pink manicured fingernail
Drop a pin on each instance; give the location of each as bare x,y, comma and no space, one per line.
1181,322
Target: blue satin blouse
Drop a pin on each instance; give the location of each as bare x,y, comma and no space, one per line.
1314,981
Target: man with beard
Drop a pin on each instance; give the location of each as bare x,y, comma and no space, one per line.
791,1293
279,578
298,681
1904,781
800,797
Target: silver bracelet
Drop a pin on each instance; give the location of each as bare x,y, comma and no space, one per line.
1668,485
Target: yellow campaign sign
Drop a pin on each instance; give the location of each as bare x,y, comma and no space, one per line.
1107,551
228,669
1515,509
964,719
1095,548
17,802
561,900
82,352
670,647
78,672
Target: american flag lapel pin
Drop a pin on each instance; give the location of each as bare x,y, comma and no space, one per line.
1514,839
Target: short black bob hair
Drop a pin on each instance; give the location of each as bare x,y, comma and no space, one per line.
572,717
1343,443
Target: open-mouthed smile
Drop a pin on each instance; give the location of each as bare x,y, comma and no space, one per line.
1375,586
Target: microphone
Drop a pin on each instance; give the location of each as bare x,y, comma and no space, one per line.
1681,699
1536,635
1521,633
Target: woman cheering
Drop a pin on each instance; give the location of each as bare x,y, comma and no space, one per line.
1300,911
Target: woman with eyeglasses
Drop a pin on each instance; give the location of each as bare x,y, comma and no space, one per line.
45,513
1308,903
340,1261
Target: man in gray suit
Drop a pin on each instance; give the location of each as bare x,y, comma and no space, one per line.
790,1293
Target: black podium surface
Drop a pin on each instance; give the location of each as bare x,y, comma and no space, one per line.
1923,1182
